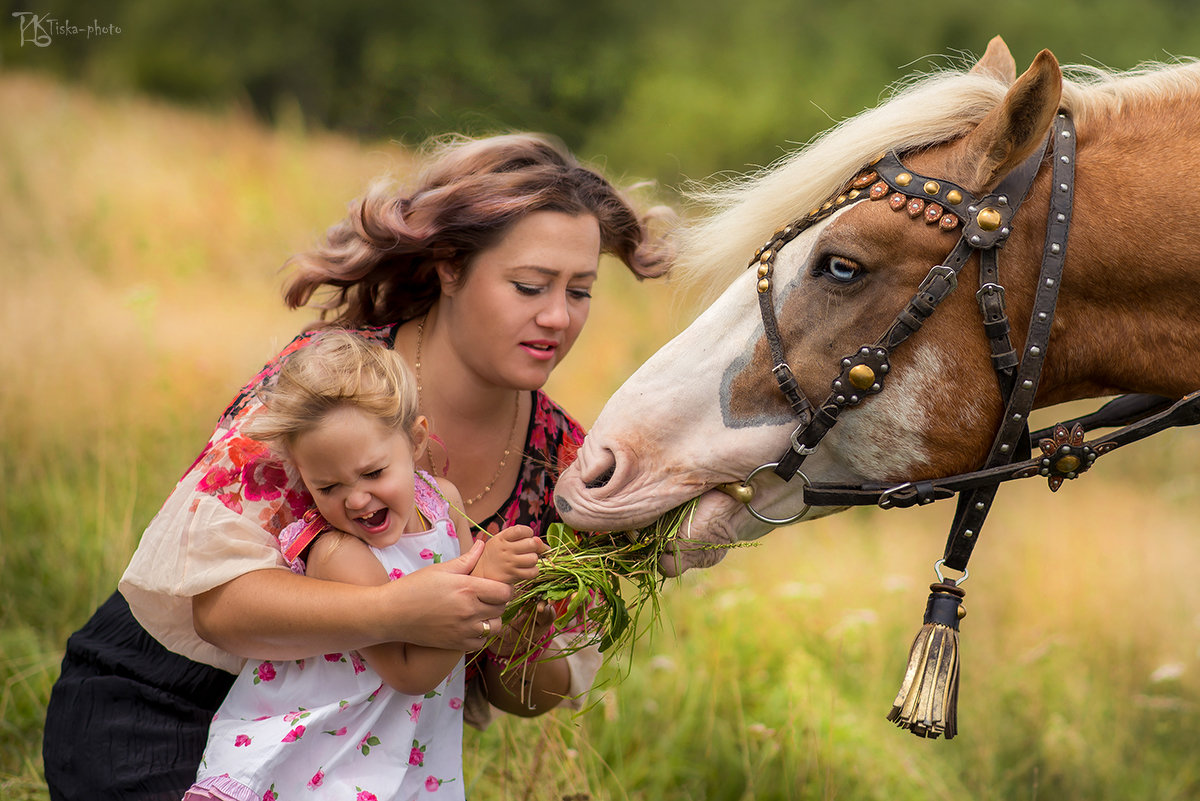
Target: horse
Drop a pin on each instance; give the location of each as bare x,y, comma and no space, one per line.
705,411
1053,204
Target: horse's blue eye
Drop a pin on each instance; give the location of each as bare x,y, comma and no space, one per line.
841,270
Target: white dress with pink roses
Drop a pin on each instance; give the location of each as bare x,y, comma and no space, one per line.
329,727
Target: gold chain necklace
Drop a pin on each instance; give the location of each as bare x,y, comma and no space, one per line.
421,402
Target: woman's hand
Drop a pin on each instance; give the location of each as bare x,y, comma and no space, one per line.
454,601
523,673
526,632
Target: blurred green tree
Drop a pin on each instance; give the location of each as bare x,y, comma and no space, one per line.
669,89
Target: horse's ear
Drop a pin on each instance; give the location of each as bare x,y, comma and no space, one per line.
1012,130
997,62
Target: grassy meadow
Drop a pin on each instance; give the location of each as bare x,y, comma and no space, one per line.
140,289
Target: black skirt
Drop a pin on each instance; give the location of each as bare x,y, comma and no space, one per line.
127,718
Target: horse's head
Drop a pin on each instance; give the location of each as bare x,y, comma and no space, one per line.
707,410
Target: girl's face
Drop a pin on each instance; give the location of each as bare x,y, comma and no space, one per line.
522,302
360,474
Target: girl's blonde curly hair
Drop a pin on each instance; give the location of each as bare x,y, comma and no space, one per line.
337,369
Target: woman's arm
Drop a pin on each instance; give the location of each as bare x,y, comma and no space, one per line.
516,683
277,614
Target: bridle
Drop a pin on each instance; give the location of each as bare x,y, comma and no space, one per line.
986,224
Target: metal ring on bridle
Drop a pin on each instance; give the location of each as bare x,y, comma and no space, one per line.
937,568
774,521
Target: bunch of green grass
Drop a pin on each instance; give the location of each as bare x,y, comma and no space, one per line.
600,585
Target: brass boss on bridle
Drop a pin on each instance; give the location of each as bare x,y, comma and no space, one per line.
926,703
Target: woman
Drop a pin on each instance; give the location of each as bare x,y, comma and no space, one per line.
480,277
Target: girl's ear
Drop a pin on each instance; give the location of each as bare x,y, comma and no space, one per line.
419,434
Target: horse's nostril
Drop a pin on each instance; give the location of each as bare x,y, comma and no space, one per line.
602,479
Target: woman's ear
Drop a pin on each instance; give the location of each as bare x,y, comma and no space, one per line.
419,435
449,275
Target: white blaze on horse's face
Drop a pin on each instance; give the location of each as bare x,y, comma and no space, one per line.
705,410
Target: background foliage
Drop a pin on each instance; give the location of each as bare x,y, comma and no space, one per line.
152,181
664,89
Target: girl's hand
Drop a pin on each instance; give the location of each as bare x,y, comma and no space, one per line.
511,556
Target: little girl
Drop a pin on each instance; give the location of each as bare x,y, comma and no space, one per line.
384,722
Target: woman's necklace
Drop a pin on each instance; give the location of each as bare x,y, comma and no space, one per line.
507,444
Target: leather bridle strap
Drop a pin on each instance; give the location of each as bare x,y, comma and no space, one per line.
973,507
1152,414
796,398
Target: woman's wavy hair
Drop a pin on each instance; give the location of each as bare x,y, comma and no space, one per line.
339,368
378,262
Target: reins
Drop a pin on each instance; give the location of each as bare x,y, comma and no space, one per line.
926,703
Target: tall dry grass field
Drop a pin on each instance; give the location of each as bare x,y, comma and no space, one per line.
140,289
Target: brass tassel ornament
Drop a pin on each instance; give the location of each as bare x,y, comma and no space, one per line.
927,704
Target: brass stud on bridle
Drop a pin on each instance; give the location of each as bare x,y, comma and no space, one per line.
988,219
862,376
1067,464
739,491
743,492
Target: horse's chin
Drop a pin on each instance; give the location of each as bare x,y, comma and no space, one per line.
716,523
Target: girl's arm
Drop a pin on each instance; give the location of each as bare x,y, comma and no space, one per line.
408,668
277,614
462,526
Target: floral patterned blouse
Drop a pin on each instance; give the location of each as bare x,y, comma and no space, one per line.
225,515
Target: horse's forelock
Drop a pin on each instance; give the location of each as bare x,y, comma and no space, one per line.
740,214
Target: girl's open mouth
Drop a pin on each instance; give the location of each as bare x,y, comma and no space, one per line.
375,521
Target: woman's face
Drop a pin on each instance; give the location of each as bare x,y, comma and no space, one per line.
523,301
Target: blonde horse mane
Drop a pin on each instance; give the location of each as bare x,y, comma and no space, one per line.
742,213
